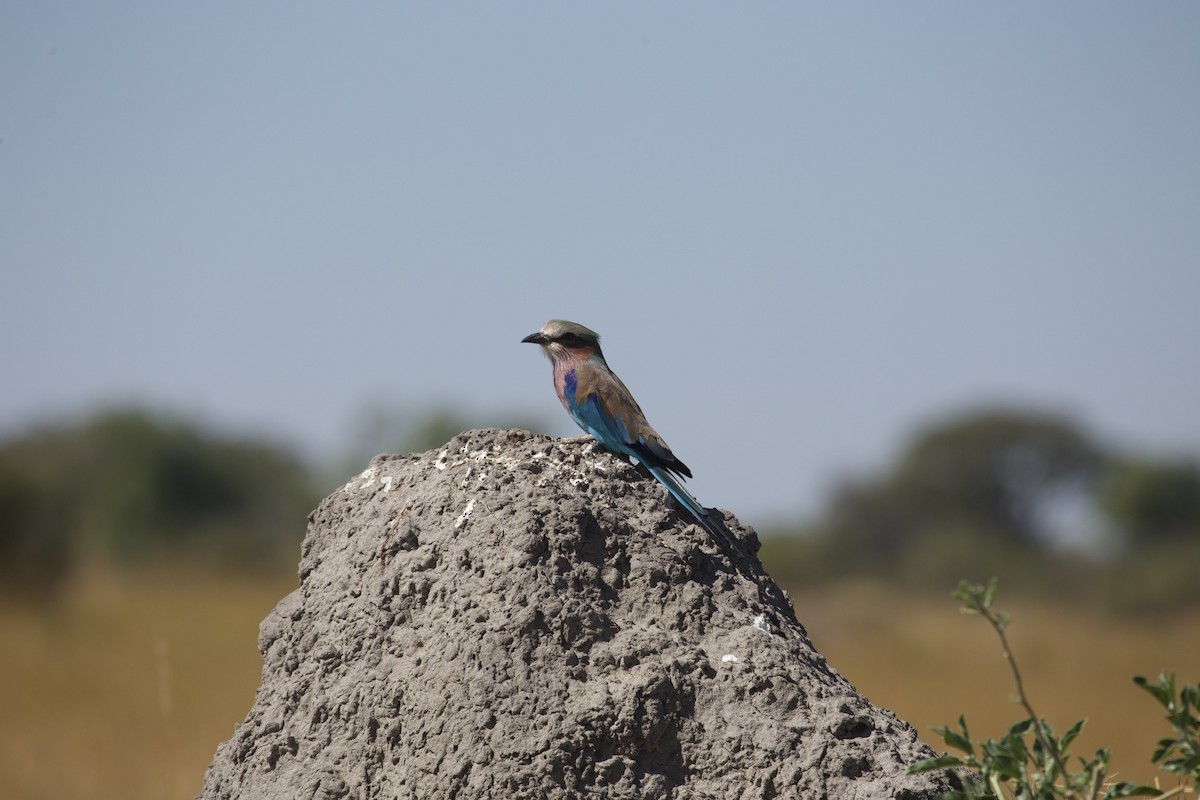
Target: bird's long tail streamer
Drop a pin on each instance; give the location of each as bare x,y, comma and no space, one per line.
688,501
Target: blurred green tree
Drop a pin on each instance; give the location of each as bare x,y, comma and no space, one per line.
982,488
995,471
991,474
35,551
1153,503
129,485
156,484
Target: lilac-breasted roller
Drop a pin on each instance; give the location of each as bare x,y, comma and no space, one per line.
600,404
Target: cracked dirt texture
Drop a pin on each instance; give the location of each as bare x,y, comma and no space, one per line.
515,616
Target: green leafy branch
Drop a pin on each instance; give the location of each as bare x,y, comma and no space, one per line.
1031,762
1181,754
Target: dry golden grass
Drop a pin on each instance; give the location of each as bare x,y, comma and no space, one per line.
921,658
126,688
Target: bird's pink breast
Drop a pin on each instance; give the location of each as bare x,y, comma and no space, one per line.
564,363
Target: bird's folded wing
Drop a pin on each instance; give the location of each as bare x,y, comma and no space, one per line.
607,409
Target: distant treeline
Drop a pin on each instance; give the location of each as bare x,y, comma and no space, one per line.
129,486
990,492
1026,495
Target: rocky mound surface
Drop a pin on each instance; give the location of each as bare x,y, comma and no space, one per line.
515,616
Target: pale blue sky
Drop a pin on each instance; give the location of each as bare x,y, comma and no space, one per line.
803,229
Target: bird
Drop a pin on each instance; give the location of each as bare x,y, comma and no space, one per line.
600,403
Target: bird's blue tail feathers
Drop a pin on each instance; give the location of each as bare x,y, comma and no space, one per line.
706,520
676,488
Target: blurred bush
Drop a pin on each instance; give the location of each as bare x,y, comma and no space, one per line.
129,486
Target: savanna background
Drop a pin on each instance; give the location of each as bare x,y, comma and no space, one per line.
140,553
913,289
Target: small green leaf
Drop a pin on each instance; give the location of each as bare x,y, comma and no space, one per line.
930,764
1072,732
990,593
1159,692
1126,789
959,742
1020,728
965,593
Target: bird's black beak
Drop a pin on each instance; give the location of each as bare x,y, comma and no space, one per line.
535,338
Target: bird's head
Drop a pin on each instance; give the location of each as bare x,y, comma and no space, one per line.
561,339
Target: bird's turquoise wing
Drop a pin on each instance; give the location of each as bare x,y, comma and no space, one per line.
602,405
590,412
